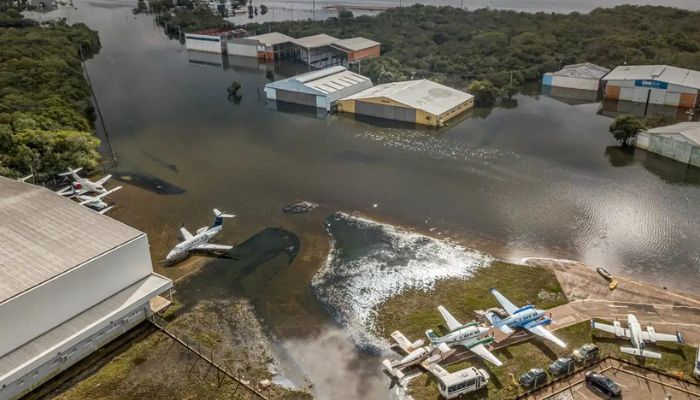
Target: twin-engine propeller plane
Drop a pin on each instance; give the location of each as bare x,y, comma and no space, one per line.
200,240
95,202
527,317
637,336
83,185
416,354
470,336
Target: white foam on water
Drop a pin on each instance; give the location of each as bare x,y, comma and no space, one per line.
352,289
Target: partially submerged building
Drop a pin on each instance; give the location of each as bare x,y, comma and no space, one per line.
318,88
211,40
316,50
585,76
654,84
71,280
268,47
356,49
420,101
680,142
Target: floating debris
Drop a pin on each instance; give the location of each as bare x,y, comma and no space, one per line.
298,208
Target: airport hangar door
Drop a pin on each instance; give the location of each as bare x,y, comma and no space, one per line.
385,111
296,97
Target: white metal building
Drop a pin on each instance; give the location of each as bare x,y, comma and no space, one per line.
268,46
654,84
71,280
206,43
585,76
316,50
680,142
318,88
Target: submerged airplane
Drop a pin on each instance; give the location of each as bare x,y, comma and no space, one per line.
83,185
95,202
637,336
417,354
468,335
527,317
200,240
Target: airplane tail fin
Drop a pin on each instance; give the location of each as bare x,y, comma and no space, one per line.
219,217
497,322
637,352
393,373
432,336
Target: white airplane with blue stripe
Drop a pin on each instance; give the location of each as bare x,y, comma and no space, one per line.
200,240
527,317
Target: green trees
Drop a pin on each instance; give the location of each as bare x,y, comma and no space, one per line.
384,70
45,110
625,127
485,93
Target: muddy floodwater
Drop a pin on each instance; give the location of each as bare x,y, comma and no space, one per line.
539,177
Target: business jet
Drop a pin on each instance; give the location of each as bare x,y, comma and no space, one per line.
83,185
468,335
200,240
417,353
527,317
637,336
95,202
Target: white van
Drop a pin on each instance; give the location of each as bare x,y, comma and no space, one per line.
464,381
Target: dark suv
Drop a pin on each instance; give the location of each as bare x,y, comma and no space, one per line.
562,366
533,378
603,384
586,353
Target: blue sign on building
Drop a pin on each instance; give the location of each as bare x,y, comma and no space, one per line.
650,83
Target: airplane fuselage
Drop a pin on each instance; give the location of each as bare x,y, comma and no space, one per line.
87,185
525,317
463,335
183,248
635,332
414,357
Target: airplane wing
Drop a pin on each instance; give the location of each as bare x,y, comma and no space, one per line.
101,195
434,368
103,180
451,322
481,351
507,305
185,233
104,210
212,247
662,337
540,330
402,341
615,330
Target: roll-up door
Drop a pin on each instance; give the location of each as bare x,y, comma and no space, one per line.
385,111
296,97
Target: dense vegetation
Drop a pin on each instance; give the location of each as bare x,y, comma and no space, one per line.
457,46
45,109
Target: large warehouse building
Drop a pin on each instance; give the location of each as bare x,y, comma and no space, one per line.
71,280
585,76
421,102
680,142
318,88
654,84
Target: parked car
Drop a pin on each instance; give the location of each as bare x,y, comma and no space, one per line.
562,366
533,378
697,365
586,353
603,384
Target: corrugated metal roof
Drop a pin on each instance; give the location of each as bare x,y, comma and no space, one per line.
689,131
423,94
324,82
314,41
583,70
272,38
43,348
356,43
664,73
43,235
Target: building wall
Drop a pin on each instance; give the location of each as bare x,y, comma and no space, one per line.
211,44
683,152
364,53
421,117
31,313
655,92
243,47
575,83
448,115
76,351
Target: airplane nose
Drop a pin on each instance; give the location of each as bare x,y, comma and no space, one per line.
483,330
171,255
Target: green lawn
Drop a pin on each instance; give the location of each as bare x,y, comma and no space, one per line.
414,311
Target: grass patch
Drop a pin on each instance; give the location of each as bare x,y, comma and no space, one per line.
414,311
519,358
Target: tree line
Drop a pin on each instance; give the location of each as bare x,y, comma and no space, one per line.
46,117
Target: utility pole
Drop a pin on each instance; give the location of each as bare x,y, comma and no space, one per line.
97,105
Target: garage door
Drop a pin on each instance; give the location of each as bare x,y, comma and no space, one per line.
296,97
386,111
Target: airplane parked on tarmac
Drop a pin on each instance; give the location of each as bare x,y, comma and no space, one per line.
527,317
95,202
637,336
200,240
83,185
417,354
468,335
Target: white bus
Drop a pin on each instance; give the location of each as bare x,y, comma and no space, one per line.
464,381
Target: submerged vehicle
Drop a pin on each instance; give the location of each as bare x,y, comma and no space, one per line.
298,208
612,285
604,273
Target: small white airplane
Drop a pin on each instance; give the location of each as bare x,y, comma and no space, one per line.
468,335
95,202
527,317
637,336
83,185
200,240
416,354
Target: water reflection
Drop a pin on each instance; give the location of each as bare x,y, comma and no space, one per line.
668,170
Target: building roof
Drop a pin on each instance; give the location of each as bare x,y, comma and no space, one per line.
686,131
311,42
272,38
355,44
323,82
664,73
583,70
423,94
43,235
